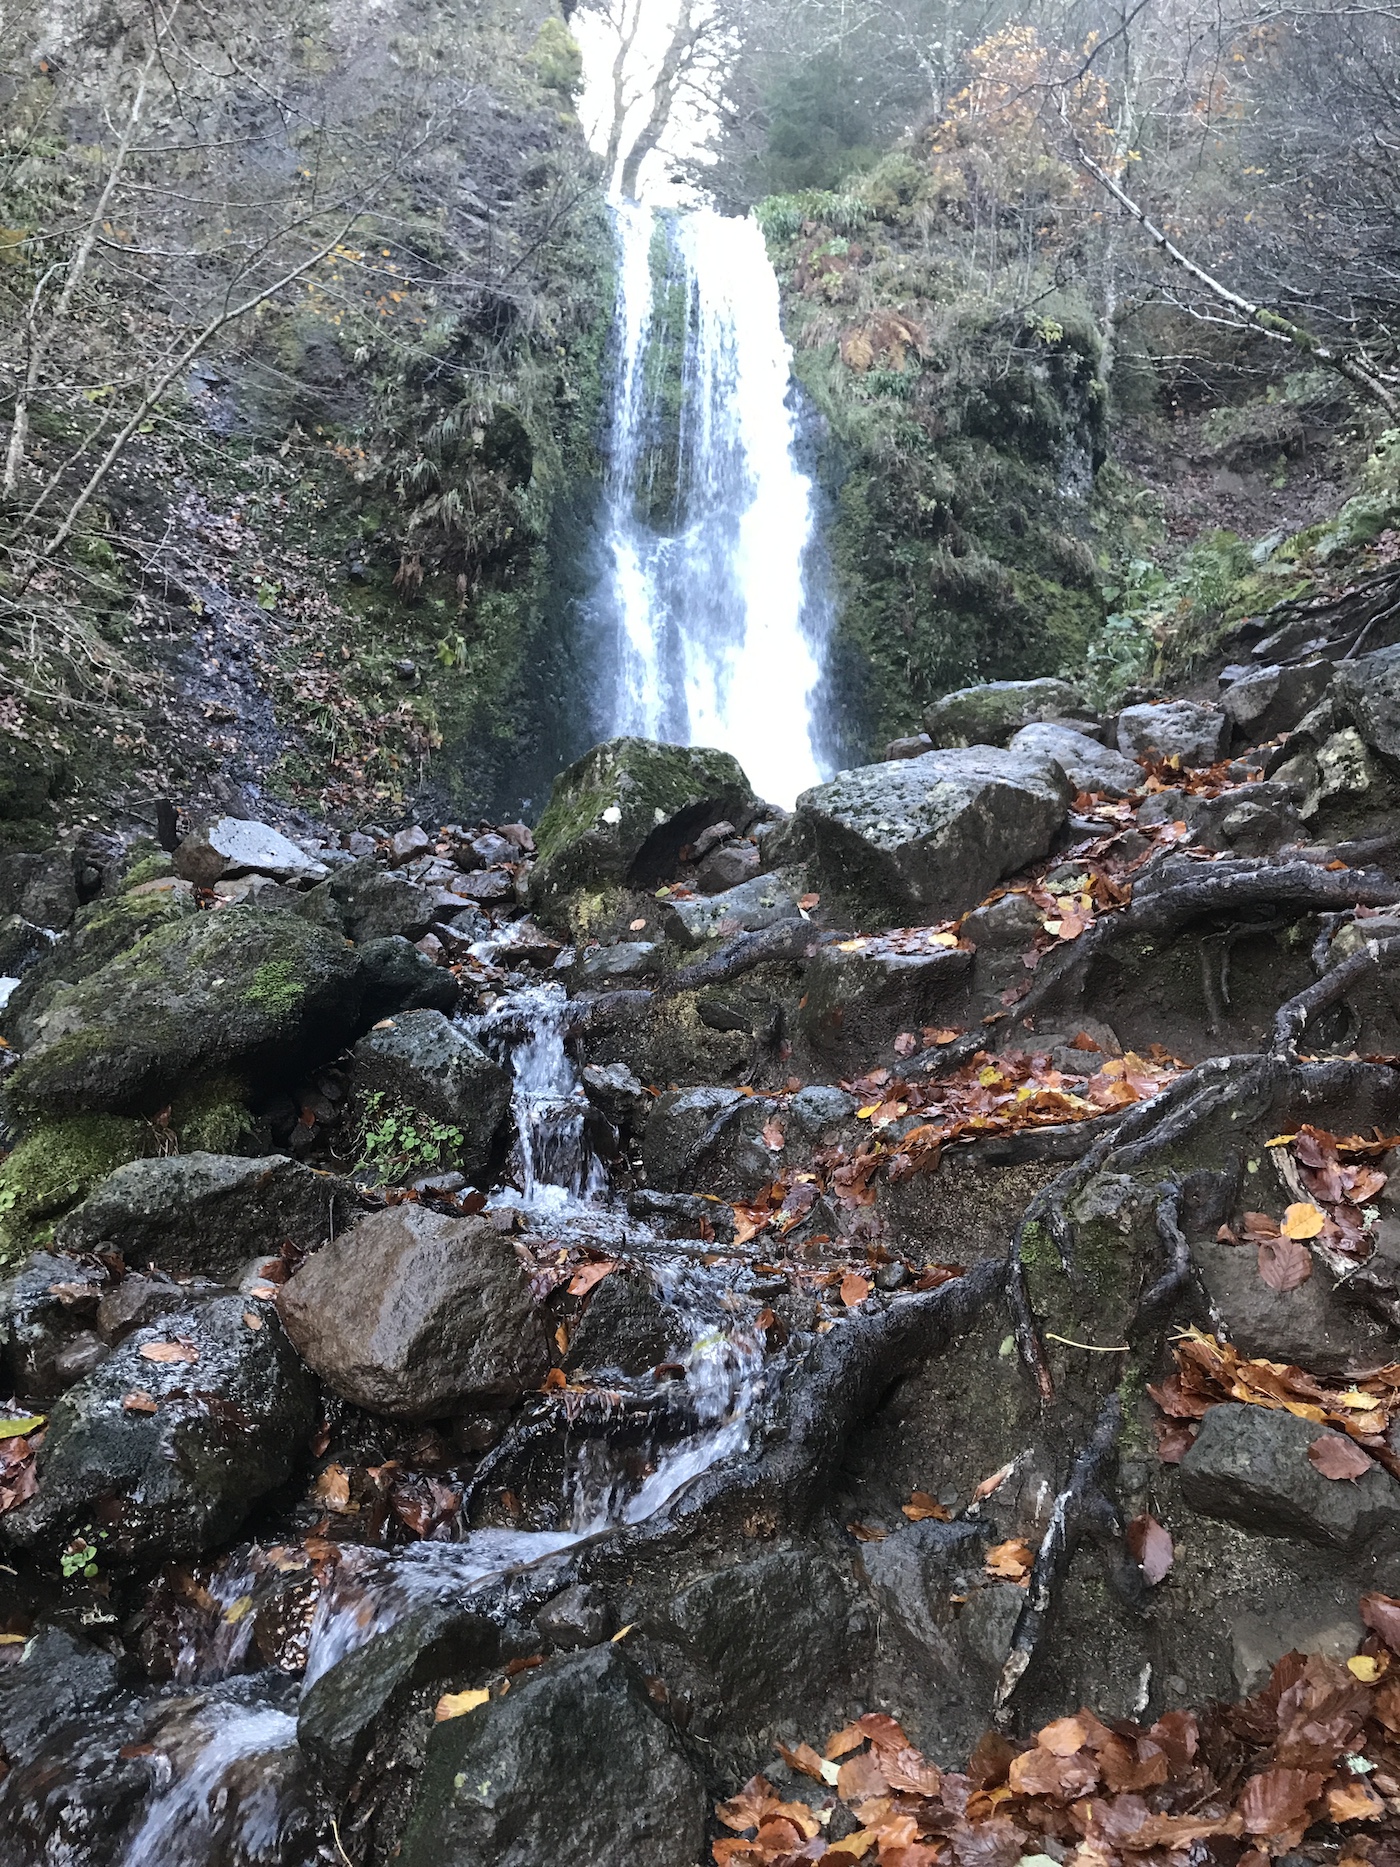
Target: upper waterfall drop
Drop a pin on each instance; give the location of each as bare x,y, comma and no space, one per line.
718,619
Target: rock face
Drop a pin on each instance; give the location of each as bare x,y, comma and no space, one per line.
420,1059
501,1784
989,715
620,816
208,1213
1273,700
167,1454
1367,695
857,1002
238,991
414,1314
1088,765
752,905
1251,1466
925,838
1174,729
233,847
375,903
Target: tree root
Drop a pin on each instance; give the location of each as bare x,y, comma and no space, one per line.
1158,1298
784,940
1083,1507
1293,1018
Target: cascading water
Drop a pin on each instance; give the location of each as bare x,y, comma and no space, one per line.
713,595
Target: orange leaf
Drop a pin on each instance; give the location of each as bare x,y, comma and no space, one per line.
921,1507
138,1402
854,1289
994,1483
587,1275
1303,1220
1011,1560
332,1489
178,1350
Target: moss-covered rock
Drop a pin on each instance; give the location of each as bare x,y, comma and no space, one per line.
620,815
255,993
990,714
57,1165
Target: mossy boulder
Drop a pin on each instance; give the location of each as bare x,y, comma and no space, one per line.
990,714
619,817
239,991
56,1166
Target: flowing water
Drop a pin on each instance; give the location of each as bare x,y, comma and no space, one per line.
712,586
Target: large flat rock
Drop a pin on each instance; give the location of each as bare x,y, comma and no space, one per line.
925,838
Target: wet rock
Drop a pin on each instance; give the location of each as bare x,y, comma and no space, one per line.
1087,764
207,1213
726,867
417,1315
240,991
1177,729
228,1421
1250,1466
577,1617
620,816
681,1124
341,1708
233,847
928,837
500,1787
910,747
816,1111
616,1092
463,931
913,1573
1272,700
1001,933
626,1326
419,1059
600,966
753,905
1366,693
21,943
56,1679
375,903
48,1301
1313,1325
39,885
79,1356
990,714
858,1002
397,977
137,1302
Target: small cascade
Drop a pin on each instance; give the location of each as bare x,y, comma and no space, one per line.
557,1167
227,1799
715,597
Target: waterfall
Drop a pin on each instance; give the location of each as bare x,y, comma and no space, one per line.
709,588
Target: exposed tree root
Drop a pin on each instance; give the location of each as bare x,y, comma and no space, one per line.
1157,1300
785,940
1293,1018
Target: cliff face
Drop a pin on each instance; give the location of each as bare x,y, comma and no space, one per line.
338,562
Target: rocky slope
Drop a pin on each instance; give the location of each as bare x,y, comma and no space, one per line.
509,1335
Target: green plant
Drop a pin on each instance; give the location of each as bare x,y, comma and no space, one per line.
395,1139
80,1556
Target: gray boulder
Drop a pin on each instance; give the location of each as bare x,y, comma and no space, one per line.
1250,1466
1272,700
419,1058
1087,764
626,1326
178,1476
1366,696
726,867
416,1315
858,1002
242,992
1177,729
620,816
753,905
1313,1325
627,959
679,1125
208,1213
49,1301
375,902
925,838
990,714
395,977
233,846
501,1785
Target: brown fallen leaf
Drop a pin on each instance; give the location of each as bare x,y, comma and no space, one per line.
454,1704
587,1275
1151,1548
854,1289
921,1507
867,1533
1336,1456
994,1483
332,1489
804,1759
178,1350
1012,1560
555,1379
905,1044
253,1320
1381,1613
773,1136
138,1401
1353,1801
637,925
941,1037
1276,1801
1284,1263
1303,1220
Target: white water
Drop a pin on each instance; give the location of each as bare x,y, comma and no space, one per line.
557,1168
213,1799
719,627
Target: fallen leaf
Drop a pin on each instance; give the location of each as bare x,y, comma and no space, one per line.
561,1339
1353,1801
808,902
773,1137
1303,1220
1278,1800
235,1611
905,1044
1284,1264
555,1379
622,1633
866,1533
921,1507
178,1350
453,1704
1336,1456
13,1640
1151,1548
1381,1613
942,1037
253,1320
138,1402
632,926
854,1289
994,1483
1361,1666
587,1275
805,1759
332,1489
21,1428
1012,1560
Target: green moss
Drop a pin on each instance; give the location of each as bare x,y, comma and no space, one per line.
556,57
212,1118
276,987
57,1165
148,868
